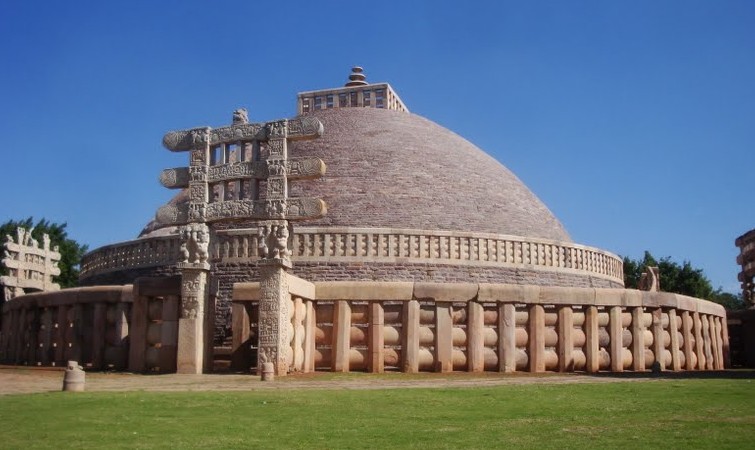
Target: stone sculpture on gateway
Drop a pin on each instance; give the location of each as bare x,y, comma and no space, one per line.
213,169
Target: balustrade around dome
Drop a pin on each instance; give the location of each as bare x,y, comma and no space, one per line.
379,245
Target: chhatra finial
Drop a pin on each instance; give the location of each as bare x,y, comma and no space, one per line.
357,77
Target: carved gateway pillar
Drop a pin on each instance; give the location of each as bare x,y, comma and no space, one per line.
226,166
194,297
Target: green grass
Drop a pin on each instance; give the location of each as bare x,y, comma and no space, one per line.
715,413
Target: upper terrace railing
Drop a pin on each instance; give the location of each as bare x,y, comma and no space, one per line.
156,251
374,245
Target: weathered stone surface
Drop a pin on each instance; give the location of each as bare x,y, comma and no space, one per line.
445,292
364,290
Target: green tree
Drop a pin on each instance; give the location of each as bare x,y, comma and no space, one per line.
70,250
679,278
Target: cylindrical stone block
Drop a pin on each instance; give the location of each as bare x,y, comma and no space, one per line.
359,313
578,337
426,359
626,338
522,337
323,358
392,357
490,337
522,359
551,337
550,359
578,356
323,334
426,336
391,314
627,358
459,359
459,337
357,359
391,335
358,336
491,359
427,315
459,316
604,359
648,338
604,339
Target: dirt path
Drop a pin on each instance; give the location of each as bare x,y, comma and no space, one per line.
14,380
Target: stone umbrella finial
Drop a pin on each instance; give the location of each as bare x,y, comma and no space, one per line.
357,77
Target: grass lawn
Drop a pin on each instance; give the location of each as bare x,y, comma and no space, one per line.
712,413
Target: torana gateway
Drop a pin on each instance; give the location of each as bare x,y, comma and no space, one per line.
355,236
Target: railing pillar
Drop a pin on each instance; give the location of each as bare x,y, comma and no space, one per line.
341,336
443,337
376,343
697,329
410,348
616,345
638,340
536,338
658,347
475,337
309,337
565,343
506,338
675,360
591,340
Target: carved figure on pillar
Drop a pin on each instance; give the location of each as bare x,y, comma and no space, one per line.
195,241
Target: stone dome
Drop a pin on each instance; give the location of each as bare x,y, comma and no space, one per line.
392,169
399,170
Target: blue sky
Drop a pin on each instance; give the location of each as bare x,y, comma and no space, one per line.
633,121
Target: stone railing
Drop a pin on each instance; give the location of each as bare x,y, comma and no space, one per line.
422,246
411,327
150,252
378,245
89,325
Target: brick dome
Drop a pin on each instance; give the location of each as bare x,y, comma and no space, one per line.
399,170
391,169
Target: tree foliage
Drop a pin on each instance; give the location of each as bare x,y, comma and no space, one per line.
679,278
70,250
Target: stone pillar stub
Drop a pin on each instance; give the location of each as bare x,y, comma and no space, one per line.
273,316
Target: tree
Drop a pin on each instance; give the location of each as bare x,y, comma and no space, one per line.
70,250
679,278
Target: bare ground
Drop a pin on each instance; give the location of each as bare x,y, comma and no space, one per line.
19,380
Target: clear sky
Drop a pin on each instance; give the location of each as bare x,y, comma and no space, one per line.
633,121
